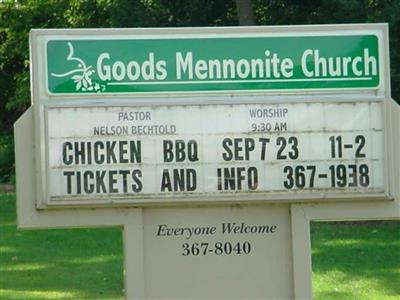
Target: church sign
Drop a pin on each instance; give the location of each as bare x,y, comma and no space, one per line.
171,64
213,148
247,151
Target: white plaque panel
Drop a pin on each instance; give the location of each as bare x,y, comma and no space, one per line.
200,152
218,253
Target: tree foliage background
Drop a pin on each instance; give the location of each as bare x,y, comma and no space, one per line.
18,17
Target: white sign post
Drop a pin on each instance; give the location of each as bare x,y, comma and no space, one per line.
213,162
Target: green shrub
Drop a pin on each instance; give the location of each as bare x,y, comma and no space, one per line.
7,166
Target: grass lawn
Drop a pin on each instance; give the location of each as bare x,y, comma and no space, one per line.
58,264
349,262
356,261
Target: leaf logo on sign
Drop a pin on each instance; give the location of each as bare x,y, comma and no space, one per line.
81,75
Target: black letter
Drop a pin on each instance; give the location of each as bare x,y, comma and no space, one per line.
136,152
124,174
88,188
192,151
252,179
79,152
168,154
228,155
122,152
112,182
100,182
219,179
137,187
69,174
180,150
166,181
98,158
179,179
110,148
264,142
67,160
191,180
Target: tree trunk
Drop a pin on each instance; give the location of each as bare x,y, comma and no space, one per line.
245,13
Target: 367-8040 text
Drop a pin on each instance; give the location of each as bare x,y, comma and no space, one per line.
217,248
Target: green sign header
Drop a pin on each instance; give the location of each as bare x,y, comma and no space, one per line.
78,66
